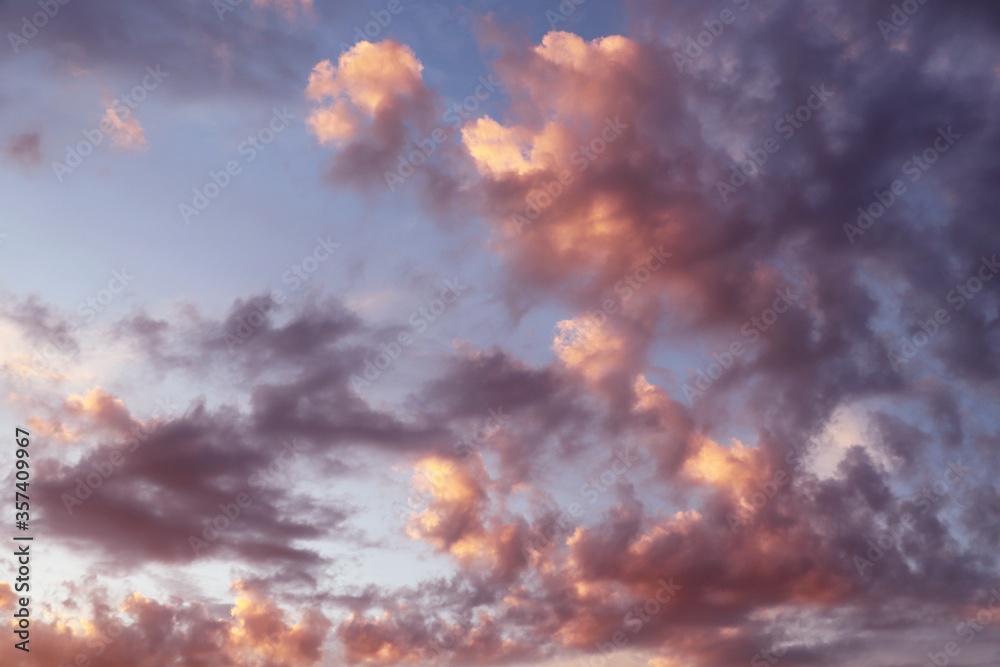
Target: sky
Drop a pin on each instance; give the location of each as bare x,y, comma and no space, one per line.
622,333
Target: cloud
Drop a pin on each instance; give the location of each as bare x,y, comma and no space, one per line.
289,8
374,107
607,150
125,132
141,630
455,521
532,594
372,84
606,153
101,408
40,323
25,149
217,49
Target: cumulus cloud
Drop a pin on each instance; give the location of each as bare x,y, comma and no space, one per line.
608,485
376,86
146,631
458,519
609,149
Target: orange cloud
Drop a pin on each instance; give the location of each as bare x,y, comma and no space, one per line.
457,519
52,428
451,522
731,468
7,596
102,408
366,79
146,631
374,642
593,350
500,151
125,130
259,626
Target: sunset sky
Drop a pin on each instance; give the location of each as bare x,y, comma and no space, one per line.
585,333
